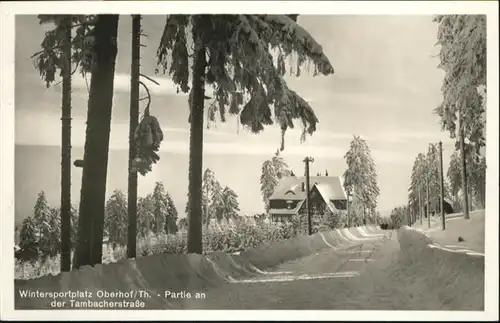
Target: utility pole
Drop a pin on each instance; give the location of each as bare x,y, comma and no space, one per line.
441,186
308,160
134,121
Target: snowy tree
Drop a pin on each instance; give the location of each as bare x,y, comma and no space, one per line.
54,235
172,215
160,208
417,184
232,53
268,182
211,190
462,40
145,215
360,178
476,176
28,240
454,174
231,204
116,218
94,50
478,179
226,204
272,171
210,193
43,220
432,174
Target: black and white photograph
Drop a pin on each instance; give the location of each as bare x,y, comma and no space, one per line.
277,156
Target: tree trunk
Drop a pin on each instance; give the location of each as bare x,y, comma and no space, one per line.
427,203
205,216
482,193
420,204
195,243
348,211
93,191
134,121
66,152
464,172
471,199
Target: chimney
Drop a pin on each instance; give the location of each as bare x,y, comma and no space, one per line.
303,187
326,172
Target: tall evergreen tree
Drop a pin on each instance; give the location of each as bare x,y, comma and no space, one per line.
43,219
116,218
230,205
160,208
172,216
417,184
432,175
462,40
360,178
239,60
145,215
28,240
272,171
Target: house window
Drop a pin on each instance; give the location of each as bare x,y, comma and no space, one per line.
340,204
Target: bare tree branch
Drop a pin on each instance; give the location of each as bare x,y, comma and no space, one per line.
149,78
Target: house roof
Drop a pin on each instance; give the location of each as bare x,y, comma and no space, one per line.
290,188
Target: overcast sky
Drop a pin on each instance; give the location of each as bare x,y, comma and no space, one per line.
385,88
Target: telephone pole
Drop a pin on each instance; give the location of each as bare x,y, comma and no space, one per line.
308,160
441,186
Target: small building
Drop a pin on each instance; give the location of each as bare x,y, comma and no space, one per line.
435,206
326,194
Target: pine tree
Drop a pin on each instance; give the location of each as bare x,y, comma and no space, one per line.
230,205
172,216
462,39
432,174
29,242
239,61
54,237
210,190
116,218
145,215
272,171
360,178
454,174
417,183
268,182
42,217
160,208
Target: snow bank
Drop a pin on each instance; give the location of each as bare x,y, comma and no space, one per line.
142,283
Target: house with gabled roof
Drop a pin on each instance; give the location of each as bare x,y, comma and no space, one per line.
326,194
